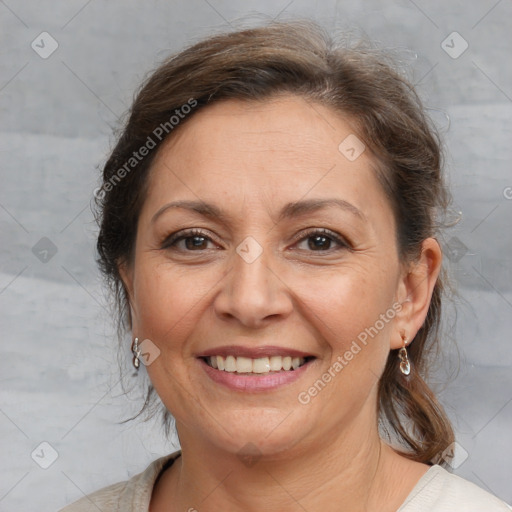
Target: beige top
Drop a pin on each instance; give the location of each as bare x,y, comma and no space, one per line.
437,491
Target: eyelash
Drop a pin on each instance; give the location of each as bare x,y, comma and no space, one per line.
171,240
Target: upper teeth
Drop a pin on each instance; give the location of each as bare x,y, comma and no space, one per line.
260,365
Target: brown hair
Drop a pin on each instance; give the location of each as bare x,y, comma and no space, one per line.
358,82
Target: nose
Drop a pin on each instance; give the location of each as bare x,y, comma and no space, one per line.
252,292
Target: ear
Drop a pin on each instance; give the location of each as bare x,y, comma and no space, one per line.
126,274
414,292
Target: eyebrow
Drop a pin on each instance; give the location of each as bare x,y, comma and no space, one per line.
289,211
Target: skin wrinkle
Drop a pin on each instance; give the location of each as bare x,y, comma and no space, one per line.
325,454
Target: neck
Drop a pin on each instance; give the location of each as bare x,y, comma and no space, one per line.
355,472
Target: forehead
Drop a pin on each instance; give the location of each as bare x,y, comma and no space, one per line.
288,126
267,152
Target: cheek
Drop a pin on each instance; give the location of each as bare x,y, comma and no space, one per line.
352,311
345,310
338,303
165,301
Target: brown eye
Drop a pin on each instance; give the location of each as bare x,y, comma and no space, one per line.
194,240
320,240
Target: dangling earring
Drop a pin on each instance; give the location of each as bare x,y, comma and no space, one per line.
136,353
405,365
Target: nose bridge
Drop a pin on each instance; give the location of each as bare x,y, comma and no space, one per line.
251,291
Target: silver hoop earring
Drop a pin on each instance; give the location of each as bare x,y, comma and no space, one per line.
405,364
136,353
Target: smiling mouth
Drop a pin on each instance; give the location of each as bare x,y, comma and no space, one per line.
260,365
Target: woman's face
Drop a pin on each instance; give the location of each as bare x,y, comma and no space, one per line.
262,280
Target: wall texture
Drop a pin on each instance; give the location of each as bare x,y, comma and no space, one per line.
68,71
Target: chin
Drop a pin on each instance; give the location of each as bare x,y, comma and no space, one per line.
260,435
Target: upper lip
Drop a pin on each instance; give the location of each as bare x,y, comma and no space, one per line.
253,352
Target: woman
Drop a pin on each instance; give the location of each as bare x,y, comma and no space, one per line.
268,221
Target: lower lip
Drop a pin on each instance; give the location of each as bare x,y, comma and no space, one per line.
254,383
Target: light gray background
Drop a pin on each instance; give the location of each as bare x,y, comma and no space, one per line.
59,375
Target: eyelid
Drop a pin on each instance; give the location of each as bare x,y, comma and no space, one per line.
186,233
341,240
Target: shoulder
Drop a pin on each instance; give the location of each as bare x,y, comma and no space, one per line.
441,491
131,495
